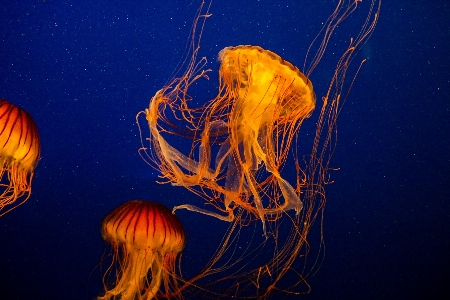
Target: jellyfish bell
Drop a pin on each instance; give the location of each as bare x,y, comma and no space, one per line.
146,239
262,72
19,154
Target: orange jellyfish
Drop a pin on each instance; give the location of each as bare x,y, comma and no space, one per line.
262,102
241,143
146,239
19,154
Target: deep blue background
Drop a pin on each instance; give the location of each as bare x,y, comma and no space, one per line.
83,69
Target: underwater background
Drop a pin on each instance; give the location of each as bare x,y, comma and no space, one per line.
84,69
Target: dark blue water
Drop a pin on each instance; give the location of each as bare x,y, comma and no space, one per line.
83,69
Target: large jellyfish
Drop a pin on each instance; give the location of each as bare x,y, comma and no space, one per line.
261,104
240,151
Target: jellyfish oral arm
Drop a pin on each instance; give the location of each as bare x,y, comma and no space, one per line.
134,274
173,159
291,199
227,218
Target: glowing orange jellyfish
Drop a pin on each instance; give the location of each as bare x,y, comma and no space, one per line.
146,238
240,142
261,103
19,154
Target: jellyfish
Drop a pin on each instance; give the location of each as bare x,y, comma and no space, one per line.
146,239
261,104
19,154
247,159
